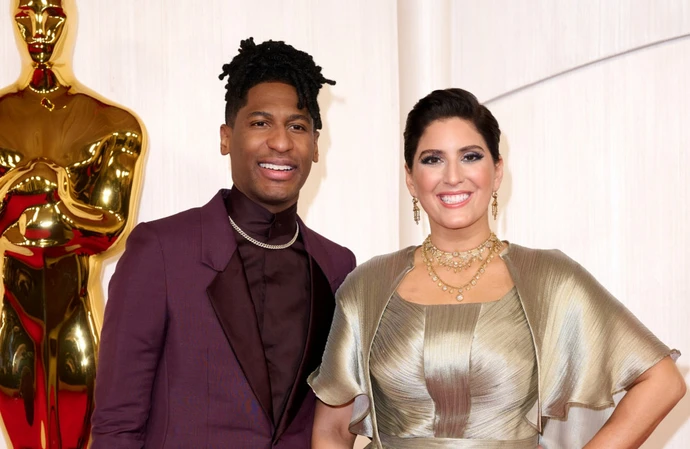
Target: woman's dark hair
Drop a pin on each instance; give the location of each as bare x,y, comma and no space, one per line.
272,61
444,104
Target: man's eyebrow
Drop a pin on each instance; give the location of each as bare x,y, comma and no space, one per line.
299,117
290,118
260,114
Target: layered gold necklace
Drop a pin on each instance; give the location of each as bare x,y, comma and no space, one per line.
459,260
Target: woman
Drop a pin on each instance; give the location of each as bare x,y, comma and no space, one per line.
470,342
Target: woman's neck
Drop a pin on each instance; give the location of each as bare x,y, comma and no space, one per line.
463,239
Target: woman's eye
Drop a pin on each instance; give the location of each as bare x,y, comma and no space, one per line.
431,160
472,157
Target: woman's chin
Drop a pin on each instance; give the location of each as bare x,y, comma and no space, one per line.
456,223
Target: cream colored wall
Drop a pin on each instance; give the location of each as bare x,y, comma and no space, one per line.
592,97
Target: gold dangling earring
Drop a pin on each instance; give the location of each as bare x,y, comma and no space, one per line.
494,205
415,209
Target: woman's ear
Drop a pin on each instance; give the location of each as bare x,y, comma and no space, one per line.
498,176
409,181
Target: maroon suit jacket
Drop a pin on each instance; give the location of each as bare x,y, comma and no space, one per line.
181,361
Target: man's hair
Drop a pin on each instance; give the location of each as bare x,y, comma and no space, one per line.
272,61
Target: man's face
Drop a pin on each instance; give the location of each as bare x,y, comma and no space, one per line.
40,23
272,145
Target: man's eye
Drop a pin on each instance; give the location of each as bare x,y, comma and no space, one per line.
259,124
299,127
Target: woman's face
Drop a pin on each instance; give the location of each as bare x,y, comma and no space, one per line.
453,174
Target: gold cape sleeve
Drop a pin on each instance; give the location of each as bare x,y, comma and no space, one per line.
341,377
589,345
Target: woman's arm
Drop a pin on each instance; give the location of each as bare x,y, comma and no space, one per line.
331,427
646,403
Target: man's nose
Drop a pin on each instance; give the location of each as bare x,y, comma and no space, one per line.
279,140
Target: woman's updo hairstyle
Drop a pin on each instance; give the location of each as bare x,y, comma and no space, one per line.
444,104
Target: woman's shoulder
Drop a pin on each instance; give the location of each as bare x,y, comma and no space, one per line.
380,271
553,259
401,257
384,265
551,270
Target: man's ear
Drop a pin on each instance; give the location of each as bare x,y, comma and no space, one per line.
225,139
316,146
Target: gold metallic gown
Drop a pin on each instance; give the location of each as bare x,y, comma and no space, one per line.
461,371
456,377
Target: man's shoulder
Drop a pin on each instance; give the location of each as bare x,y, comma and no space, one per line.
335,260
327,244
177,223
186,221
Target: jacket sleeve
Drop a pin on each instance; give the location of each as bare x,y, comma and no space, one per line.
132,339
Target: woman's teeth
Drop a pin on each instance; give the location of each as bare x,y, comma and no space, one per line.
454,199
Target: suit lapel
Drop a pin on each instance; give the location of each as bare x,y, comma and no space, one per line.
231,300
322,305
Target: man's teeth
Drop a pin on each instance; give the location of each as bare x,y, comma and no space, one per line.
454,199
276,167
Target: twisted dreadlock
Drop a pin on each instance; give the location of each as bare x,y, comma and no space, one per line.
272,61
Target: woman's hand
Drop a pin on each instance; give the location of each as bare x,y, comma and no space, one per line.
331,427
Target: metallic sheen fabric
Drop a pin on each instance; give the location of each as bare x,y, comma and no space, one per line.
69,175
388,442
454,371
588,346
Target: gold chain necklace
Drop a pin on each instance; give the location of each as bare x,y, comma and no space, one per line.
494,249
458,260
262,244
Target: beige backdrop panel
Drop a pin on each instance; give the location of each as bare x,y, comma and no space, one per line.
592,98
162,60
596,156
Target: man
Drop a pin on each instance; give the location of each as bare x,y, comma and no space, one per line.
217,315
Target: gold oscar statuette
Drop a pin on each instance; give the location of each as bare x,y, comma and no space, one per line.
70,174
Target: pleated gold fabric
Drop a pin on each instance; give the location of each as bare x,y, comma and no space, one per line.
388,442
587,345
461,371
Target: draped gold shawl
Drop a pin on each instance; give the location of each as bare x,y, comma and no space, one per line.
588,345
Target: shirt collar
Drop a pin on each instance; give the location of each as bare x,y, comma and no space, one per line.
257,221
